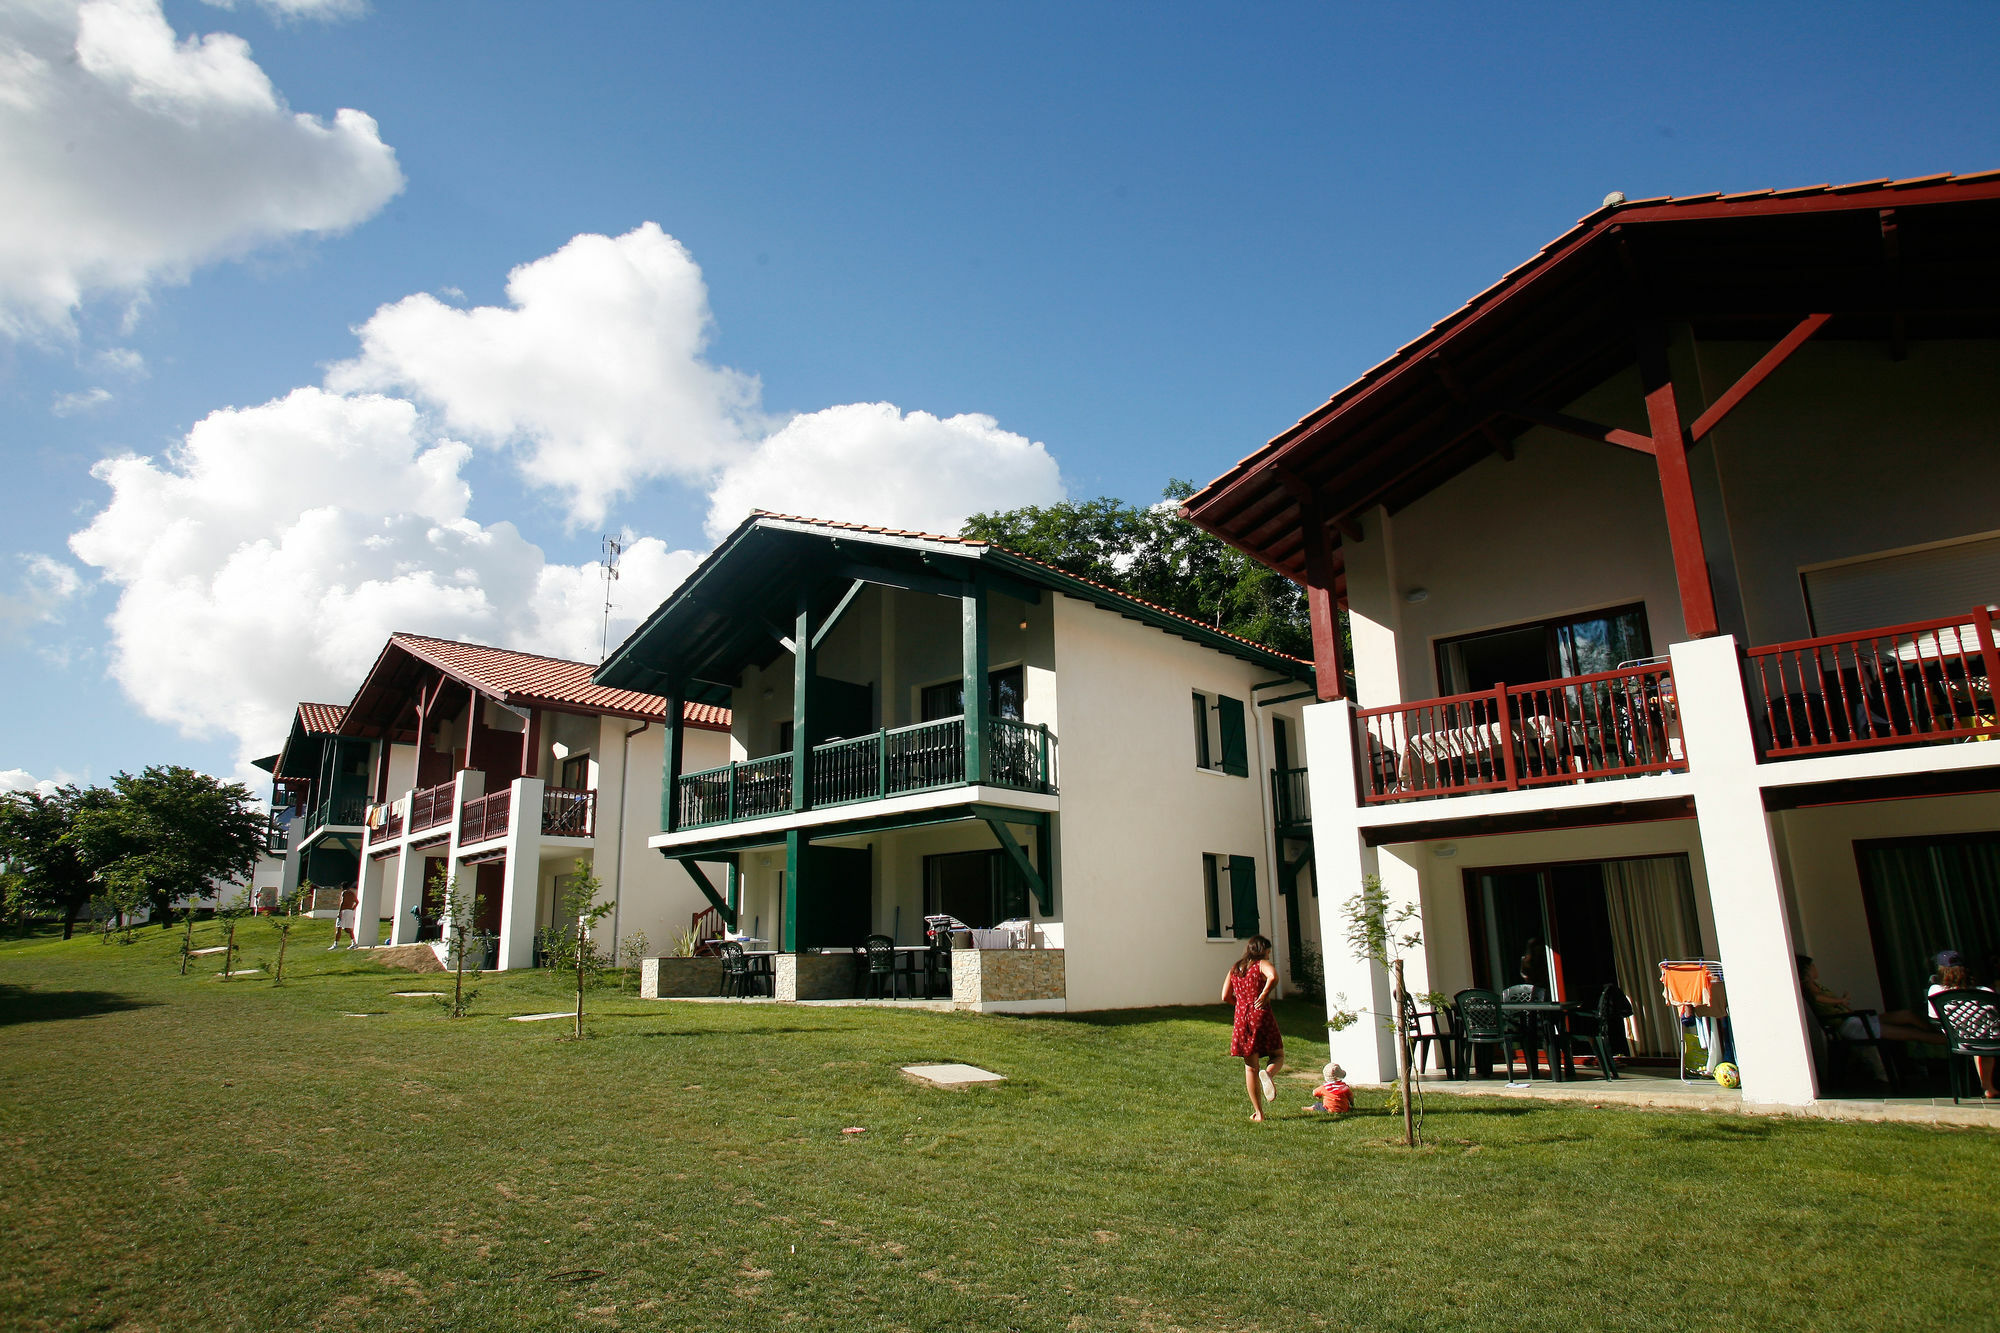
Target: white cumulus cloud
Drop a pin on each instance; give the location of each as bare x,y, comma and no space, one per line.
594,372
870,463
265,560
42,589
20,779
128,157
83,400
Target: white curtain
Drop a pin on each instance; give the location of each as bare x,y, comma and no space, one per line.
1651,903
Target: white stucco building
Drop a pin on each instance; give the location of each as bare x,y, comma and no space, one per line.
1670,563
501,768
984,737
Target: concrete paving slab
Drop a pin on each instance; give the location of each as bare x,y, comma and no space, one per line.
538,1018
416,995
953,1076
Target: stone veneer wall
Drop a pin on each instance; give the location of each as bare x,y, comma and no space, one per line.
679,978
985,977
817,976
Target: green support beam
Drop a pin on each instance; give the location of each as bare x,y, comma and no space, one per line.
670,776
1044,896
839,610
726,906
795,849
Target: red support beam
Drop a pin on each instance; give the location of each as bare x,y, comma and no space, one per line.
1589,430
1676,487
1756,375
531,744
1322,601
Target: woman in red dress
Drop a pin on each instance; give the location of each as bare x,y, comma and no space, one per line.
1251,982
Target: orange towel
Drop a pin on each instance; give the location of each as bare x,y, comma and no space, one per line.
1685,984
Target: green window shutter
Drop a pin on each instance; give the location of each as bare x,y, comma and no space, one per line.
1235,745
1243,895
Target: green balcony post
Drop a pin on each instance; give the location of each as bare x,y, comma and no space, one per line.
802,676
972,615
882,763
794,860
1043,774
730,801
670,781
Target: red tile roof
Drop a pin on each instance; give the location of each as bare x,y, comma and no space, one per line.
321,719
1202,625
529,678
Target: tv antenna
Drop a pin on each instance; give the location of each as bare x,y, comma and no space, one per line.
613,548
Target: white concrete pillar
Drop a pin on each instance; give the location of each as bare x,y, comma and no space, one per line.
1752,928
368,912
1341,860
289,877
522,879
409,894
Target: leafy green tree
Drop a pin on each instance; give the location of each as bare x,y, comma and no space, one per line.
1153,553
53,872
578,952
286,913
176,830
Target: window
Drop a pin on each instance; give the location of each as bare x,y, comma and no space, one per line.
1229,895
981,888
575,773
1543,650
784,737
1223,743
947,697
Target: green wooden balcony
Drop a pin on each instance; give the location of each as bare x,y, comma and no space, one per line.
1291,801
891,762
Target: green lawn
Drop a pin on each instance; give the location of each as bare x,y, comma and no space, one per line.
187,1153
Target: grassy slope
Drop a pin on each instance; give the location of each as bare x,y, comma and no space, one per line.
189,1153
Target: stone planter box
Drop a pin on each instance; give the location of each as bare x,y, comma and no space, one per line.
817,976
1009,981
680,978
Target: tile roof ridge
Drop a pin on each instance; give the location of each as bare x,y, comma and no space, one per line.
492,648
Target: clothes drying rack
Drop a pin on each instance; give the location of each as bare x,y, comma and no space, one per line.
1721,1016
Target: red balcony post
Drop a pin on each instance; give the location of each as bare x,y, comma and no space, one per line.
1506,737
1982,625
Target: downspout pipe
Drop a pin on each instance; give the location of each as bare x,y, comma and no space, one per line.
624,804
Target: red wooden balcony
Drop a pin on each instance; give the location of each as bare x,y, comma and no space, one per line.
391,825
1612,724
430,807
1913,684
485,817
568,812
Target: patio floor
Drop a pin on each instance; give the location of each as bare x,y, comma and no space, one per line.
1663,1088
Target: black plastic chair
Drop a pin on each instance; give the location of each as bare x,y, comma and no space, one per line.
1971,1020
1419,1042
937,967
1481,1023
882,973
737,977
1843,1049
1590,1031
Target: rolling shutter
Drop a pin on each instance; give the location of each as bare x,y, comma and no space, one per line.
1235,743
1243,895
1926,584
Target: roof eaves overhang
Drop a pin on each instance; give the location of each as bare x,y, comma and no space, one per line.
1247,505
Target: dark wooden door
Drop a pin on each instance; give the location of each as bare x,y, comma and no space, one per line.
836,897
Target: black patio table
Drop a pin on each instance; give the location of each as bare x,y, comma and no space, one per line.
1546,1016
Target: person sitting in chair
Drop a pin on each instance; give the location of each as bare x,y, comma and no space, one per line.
1952,974
1837,1008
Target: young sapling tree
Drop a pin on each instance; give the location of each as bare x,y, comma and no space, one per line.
230,913
1381,936
458,910
287,915
578,953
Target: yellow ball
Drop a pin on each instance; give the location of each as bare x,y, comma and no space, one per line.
1728,1076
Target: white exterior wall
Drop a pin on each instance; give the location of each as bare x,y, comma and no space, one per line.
1137,814
1842,452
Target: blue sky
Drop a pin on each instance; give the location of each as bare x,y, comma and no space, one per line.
1143,240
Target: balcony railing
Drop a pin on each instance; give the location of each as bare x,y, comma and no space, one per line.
391,825
568,812
1612,724
891,762
485,817
347,811
277,830
1932,680
1290,799
430,807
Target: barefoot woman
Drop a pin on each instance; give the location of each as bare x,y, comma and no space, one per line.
1251,983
